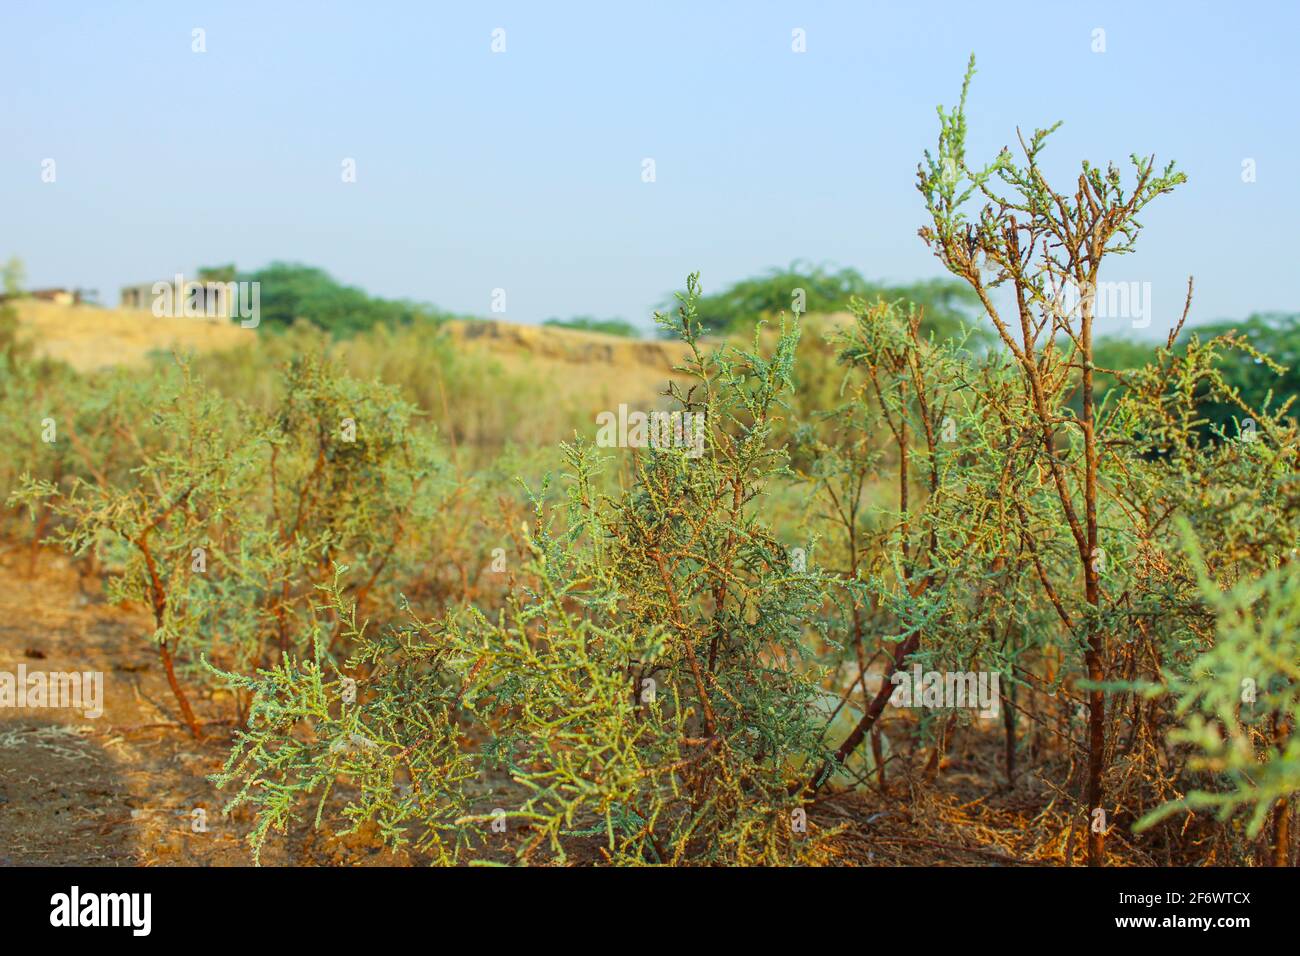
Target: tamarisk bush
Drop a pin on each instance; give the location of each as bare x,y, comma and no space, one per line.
646,685
1240,701
901,571
396,742
1033,526
1094,489
1216,598
231,519
679,610
1041,242
176,504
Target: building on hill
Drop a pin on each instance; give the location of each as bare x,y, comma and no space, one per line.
180,298
59,296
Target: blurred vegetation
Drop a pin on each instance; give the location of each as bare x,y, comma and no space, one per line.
586,323
12,279
1276,334
948,305
481,408
290,291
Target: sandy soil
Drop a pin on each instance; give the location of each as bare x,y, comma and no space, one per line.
121,789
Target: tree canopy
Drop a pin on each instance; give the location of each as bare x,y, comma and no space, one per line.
948,305
290,291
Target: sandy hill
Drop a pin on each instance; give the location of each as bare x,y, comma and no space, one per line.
578,359
565,345
88,338
586,369
598,367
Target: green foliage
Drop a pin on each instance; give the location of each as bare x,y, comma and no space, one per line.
1267,376
1260,383
946,304
226,273
485,411
585,323
11,282
395,744
1239,703
290,292
1095,483
230,518
644,681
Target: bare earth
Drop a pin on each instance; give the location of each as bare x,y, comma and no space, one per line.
120,790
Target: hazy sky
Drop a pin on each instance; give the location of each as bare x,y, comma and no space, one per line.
522,170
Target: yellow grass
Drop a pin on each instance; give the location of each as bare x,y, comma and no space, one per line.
591,368
89,338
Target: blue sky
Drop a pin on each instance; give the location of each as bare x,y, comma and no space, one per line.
523,170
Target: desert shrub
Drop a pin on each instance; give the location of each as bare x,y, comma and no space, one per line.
668,653
191,462
11,279
35,397
1238,704
1272,384
396,742
646,683
479,407
1233,493
1094,492
918,509
230,518
61,428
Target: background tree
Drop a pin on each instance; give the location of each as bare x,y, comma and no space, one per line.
947,306
290,292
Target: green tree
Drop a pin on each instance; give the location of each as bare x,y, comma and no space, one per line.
946,305
290,292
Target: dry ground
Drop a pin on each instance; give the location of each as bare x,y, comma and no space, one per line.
122,789
119,790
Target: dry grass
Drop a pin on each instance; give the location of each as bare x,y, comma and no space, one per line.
590,369
89,338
